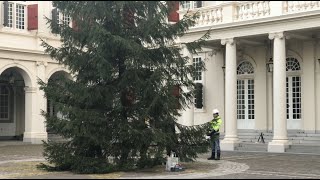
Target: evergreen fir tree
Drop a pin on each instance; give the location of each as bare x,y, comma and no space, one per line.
120,112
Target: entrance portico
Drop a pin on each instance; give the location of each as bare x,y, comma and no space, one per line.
280,101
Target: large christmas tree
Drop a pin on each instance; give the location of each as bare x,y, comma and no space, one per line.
120,111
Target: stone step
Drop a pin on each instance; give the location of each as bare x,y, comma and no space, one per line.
309,141
248,134
297,146
295,137
252,147
315,149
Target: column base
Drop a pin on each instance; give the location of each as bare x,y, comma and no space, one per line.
35,137
229,144
278,146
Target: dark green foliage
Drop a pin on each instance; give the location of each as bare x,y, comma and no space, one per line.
120,113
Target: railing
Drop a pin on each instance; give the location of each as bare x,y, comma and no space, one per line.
209,16
252,10
236,11
300,6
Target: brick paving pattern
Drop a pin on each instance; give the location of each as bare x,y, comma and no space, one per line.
18,160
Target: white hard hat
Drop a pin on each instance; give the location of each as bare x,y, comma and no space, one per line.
215,111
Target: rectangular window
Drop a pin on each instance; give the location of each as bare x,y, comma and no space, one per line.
66,19
191,4
10,15
197,78
4,103
20,15
15,15
186,5
198,72
62,18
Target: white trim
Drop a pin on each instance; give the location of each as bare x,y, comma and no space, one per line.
57,70
270,19
14,8
246,57
201,60
202,110
24,72
262,26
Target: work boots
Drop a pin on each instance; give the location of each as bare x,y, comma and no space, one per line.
212,156
218,155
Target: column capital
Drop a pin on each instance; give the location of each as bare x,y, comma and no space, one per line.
30,89
230,41
279,35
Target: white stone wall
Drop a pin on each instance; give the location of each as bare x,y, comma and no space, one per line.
23,50
307,54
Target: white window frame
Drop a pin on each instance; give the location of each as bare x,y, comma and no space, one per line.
188,5
199,81
246,77
14,15
201,76
293,123
62,17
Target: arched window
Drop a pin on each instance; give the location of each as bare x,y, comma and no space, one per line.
293,93
245,96
245,68
292,64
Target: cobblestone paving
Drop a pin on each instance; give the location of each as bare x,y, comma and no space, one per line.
274,166
19,161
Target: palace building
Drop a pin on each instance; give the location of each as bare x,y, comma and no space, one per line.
262,69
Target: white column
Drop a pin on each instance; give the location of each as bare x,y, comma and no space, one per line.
231,137
280,139
35,130
42,101
30,106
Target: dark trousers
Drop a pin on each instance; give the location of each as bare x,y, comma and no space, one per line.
216,145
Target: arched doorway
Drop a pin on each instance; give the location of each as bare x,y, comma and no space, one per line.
12,104
50,104
245,96
293,93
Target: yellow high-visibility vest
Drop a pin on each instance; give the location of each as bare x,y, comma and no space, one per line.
215,123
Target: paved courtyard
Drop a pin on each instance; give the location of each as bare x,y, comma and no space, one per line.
18,160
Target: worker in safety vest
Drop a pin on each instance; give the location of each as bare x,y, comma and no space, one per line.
214,135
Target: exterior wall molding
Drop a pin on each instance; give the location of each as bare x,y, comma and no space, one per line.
294,54
272,19
30,89
44,63
230,41
279,35
248,58
249,29
26,74
56,70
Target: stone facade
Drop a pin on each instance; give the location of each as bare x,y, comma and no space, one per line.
245,35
